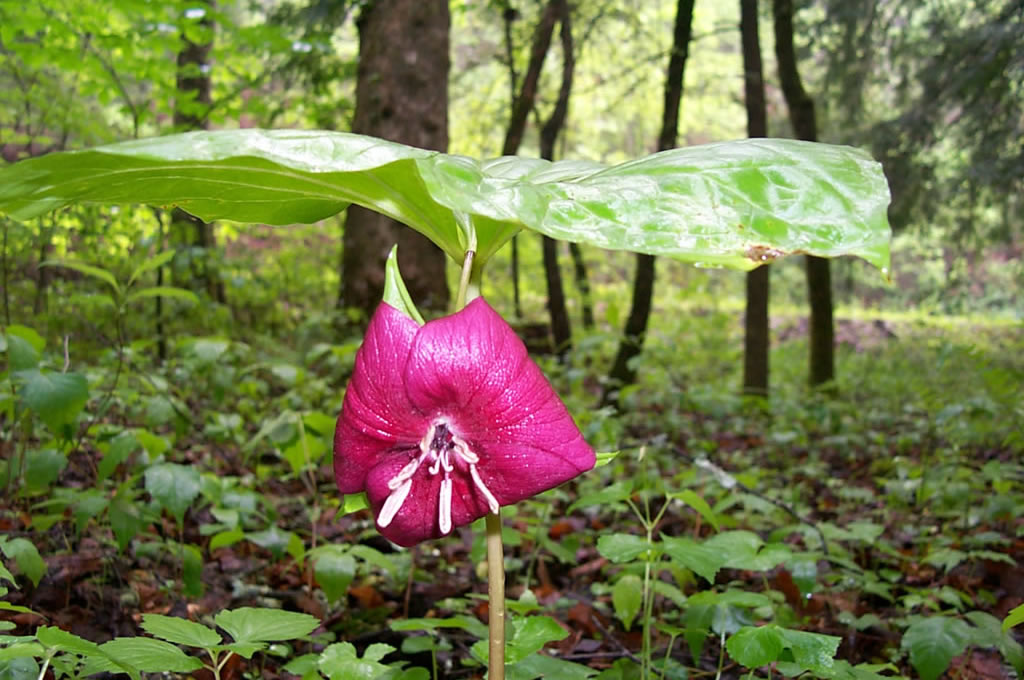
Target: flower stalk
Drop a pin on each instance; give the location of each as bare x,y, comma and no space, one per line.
496,599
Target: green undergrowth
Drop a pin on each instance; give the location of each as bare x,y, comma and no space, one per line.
870,530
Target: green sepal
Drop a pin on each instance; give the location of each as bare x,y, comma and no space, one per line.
395,292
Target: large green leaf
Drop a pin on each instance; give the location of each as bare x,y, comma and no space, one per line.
180,631
250,624
933,642
736,204
173,486
57,398
150,656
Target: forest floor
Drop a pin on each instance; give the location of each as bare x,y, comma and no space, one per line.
898,499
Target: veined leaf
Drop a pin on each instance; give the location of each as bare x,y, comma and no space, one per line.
163,291
737,204
152,263
87,269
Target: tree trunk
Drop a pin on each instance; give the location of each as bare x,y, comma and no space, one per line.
819,279
756,336
402,96
579,266
632,341
522,104
561,329
191,110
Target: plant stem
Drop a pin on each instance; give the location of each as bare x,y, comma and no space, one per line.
496,598
464,281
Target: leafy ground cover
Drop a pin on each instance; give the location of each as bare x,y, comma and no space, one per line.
874,531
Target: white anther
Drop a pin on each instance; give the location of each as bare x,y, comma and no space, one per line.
444,512
394,503
405,473
492,502
464,453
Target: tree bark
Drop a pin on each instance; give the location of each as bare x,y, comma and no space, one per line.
402,96
191,112
622,373
818,273
561,328
756,336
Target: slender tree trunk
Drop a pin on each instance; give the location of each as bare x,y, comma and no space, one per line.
509,15
819,278
622,373
523,103
579,266
191,111
561,329
756,337
402,96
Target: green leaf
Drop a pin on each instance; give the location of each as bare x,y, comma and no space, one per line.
24,348
623,547
88,270
542,666
933,642
627,598
44,466
354,502
163,291
125,519
334,569
191,570
274,539
605,457
250,624
1014,618
691,498
697,557
26,556
115,452
180,631
529,635
737,204
57,398
989,633
619,491
152,263
5,574
150,656
22,668
245,649
395,292
341,661
173,486
811,651
755,646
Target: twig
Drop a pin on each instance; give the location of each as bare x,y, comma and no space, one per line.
728,481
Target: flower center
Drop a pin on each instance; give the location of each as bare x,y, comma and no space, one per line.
444,453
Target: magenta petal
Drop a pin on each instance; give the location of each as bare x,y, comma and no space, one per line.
376,415
472,367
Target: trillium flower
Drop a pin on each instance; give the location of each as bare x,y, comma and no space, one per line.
446,422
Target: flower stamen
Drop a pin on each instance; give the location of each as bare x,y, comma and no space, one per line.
394,503
492,502
444,506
